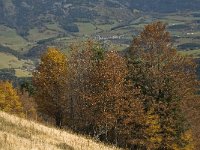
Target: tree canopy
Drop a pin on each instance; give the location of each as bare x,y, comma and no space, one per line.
9,99
50,80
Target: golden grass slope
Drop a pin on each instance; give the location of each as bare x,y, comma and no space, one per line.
21,134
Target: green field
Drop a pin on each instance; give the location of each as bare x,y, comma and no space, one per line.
10,38
194,53
9,61
86,28
36,34
22,73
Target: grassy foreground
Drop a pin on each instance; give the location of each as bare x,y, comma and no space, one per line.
21,134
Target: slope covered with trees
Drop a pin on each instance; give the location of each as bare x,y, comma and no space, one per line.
24,15
163,6
134,101
139,99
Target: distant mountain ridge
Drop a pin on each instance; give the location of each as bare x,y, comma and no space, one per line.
164,6
25,14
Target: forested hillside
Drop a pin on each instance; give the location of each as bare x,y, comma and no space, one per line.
24,15
143,98
123,72
164,6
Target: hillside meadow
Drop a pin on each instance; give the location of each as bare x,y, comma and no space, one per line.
20,134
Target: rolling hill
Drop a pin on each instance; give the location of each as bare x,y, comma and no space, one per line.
28,27
27,14
21,134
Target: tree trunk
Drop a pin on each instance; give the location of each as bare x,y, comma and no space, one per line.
59,119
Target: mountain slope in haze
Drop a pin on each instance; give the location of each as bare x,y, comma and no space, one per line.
16,133
28,27
24,15
164,6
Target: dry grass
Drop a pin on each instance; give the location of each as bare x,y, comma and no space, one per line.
20,134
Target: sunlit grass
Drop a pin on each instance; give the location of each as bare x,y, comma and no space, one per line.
20,134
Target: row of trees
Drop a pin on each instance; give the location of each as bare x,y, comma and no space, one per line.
145,98
137,100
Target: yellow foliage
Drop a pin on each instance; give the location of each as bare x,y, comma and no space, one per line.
9,100
187,139
50,80
53,64
187,136
152,132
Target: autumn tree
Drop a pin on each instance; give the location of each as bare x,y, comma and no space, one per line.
152,131
50,80
167,77
85,84
9,99
26,86
103,105
28,104
86,76
112,72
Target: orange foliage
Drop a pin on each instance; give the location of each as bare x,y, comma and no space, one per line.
166,76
